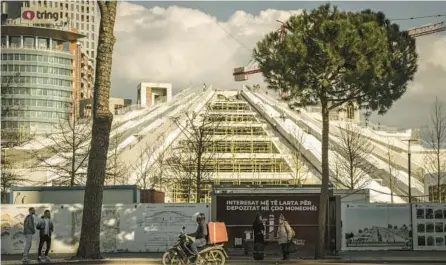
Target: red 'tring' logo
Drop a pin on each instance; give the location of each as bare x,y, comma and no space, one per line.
28,14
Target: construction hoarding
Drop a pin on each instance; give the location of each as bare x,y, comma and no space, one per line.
376,226
238,211
429,220
124,227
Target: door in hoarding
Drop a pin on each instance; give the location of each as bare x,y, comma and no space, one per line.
300,210
376,226
429,220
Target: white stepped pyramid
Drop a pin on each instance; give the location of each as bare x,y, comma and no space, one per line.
256,143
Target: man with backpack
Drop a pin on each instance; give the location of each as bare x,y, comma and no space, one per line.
46,228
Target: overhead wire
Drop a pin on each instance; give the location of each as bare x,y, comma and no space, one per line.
420,17
235,39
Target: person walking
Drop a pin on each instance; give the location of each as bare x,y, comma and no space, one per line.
46,228
284,236
28,230
259,240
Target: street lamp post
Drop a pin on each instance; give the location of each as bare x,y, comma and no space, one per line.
409,165
410,187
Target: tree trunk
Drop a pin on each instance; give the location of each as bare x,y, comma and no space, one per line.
323,204
199,179
89,244
439,172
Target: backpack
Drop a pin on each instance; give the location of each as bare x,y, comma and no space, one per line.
290,229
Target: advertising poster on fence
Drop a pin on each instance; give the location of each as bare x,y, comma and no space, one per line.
124,228
430,226
239,211
376,226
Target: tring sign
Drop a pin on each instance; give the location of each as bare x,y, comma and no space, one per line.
39,15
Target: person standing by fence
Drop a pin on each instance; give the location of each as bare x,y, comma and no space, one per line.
259,240
28,230
46,228
284,236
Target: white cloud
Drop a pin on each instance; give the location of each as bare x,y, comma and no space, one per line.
182,45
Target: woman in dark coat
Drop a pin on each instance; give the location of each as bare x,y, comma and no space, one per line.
258,228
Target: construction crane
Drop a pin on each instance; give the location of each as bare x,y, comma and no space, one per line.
241,73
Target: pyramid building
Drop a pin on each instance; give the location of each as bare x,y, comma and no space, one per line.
243,136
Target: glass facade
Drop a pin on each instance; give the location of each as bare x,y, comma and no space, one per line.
37,83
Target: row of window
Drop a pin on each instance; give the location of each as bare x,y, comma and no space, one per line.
36,69
33,42
26,125
35,92
35,103
36,58
36,80
34,114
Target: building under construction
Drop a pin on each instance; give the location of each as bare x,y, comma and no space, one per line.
240,147
241,136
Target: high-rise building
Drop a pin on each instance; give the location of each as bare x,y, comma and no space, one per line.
83,15
41,77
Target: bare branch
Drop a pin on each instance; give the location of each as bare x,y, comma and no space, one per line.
65,156
351,164
435,160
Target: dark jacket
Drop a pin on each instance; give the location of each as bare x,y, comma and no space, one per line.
41,227
202,230
258,228
28,225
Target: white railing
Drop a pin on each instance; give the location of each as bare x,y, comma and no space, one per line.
13,46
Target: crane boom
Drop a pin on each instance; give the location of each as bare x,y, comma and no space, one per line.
428,29
241,74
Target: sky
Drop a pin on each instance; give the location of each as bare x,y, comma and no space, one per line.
375,215
186,43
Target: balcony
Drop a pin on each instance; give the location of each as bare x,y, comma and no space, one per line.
18,47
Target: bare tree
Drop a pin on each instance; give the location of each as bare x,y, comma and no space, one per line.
116,172
351,164
67,145
159,174
435,161
16,136
142,167
197,132
298,160
182,172
89,244
9,176
393,173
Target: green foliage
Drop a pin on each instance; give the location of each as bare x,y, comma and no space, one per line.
333,57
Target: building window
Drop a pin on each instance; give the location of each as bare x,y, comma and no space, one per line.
29,42
43,43
3,41
15,41
66,46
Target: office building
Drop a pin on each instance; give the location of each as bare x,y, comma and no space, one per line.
83,15
41,77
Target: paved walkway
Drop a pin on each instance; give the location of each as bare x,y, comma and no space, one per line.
404,257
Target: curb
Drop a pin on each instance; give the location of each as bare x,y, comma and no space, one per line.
235,261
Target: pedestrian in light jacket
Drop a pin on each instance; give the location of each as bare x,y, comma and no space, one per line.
28,230
284,236
46,228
